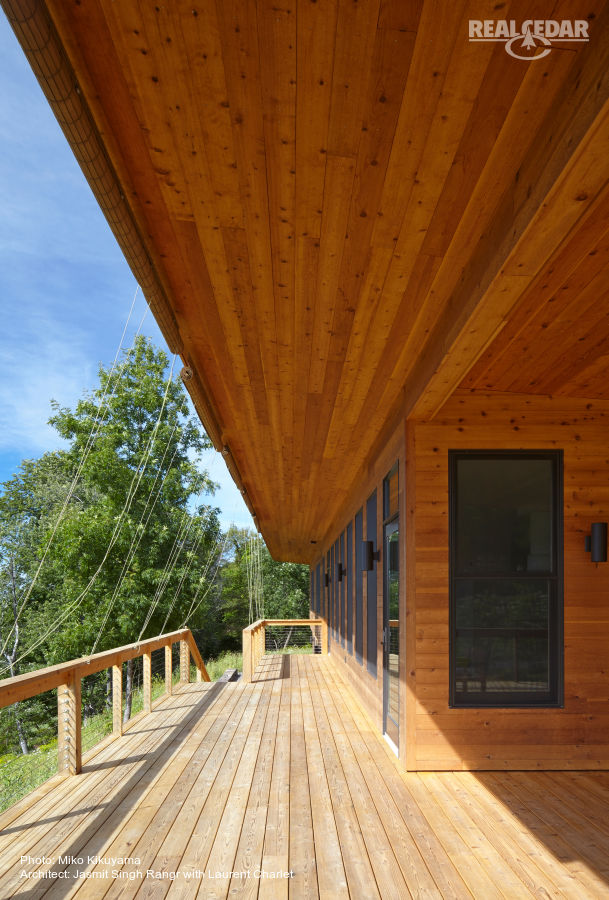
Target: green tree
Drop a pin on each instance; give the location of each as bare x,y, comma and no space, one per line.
113,537
233,584
285,586
133,555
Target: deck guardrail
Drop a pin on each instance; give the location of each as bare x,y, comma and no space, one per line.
254,639
66,677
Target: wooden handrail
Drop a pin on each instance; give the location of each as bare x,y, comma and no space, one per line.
288,622
197,659
66,677
254,640
30,684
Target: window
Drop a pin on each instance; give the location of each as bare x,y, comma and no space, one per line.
371,595
506,578
341,624
350,587
359,589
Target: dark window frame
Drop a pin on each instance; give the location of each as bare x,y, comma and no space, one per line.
372,588
343,580
389,516
358,536
554,698
349,548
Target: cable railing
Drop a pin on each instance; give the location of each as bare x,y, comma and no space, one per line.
90,700
281,636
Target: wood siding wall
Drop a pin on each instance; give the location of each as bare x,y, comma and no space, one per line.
576,736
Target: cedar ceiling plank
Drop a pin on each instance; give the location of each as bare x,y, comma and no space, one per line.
312,412
517,223
238,27
589,382
428,103
277,47
338,188
159,78
489,111
584,253
537,93
239,36
153,92
566,340
392,51
355,35
437,33
594,346
377,265
211,125
464,74
307,255
487,320
316,34
202,322
235,244
381,327
400,15
464,78
556,328
364,353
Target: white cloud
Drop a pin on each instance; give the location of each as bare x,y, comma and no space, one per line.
40,366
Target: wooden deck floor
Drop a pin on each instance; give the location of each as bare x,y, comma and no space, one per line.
286,774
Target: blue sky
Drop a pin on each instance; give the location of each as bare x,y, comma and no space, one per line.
65,289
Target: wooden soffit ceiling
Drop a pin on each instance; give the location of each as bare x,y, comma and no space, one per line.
346,209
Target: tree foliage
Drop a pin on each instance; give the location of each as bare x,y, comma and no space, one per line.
113,533
114,538
285,586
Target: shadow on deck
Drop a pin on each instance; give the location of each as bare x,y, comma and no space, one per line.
284,786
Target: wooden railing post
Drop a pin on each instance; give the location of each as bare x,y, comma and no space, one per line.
69,720
324,636
197,659
168,669
147,681
246,638
184,662
117,699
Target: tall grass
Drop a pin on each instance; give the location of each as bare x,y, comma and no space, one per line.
229,660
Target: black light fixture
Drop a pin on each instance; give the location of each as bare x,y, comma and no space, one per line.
340,571
596,542
369,556
327,579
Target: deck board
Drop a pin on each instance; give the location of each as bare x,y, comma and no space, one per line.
289,774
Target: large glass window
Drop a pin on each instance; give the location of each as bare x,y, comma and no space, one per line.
506,578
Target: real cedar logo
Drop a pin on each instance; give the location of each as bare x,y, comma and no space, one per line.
533,38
